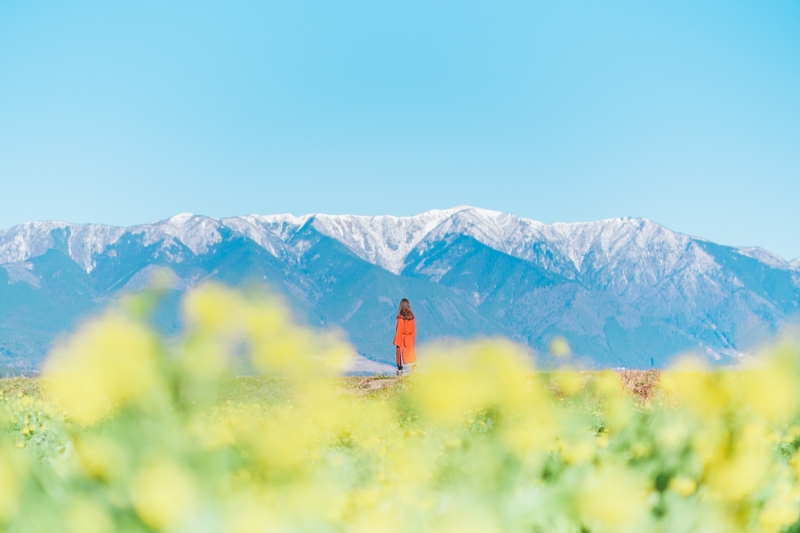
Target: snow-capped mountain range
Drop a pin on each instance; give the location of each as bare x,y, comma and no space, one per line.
625,292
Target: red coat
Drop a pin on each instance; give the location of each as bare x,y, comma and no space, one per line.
405,337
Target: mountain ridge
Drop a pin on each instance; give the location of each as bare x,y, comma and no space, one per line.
611,287
341,228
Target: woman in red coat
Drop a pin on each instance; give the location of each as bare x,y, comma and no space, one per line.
405,337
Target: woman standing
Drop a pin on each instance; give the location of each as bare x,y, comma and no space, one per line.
405,337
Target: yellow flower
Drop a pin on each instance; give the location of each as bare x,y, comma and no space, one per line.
743,472
163,495
612,498
672,433
85,515
101,457
780,510
685,486
696,388
772,390
12,468
460,379
795,463
111,360
214,309
569,382
577,452
560,347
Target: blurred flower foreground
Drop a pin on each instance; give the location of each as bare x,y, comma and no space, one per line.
134,433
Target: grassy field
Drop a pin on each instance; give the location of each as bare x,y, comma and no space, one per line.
124,432
267,390
566,451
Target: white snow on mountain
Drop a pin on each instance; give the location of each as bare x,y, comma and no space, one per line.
86,240
26,241
382,240
271,232
497,230
617,252
196,232
636,248
604,243
633,256
615,240
766,257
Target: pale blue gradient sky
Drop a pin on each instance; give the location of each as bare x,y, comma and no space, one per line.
125,112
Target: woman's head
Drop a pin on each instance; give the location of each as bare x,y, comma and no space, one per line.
405,310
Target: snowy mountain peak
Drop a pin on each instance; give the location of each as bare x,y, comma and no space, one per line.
82,241
181,218
613,239
196,232
282,226
86,240
567,245
629,248
26,241
271,232
382,240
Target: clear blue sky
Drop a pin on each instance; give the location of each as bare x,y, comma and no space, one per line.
687,113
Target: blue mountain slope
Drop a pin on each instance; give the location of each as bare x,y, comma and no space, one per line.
39,302
774,285
362,299
624,292
121,261
536,305
236,261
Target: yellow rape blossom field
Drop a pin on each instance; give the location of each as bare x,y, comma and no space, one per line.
126,431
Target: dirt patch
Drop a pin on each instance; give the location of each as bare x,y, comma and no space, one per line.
373,384
640,382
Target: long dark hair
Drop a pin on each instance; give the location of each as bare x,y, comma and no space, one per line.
405,310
